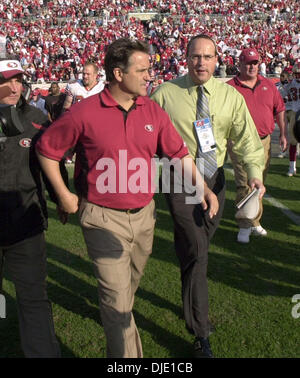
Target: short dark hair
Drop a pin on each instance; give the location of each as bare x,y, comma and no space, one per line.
200,36
118,55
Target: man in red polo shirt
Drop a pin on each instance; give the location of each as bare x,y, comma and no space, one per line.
264,102
116,133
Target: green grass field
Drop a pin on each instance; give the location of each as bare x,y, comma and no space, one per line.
250,286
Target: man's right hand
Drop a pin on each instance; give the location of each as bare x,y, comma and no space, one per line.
69,203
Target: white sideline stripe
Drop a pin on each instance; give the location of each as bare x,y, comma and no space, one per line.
295,218
285,210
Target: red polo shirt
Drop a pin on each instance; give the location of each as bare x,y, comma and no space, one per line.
263,101
113,148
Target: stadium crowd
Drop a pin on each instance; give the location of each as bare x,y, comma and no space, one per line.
64,8
53,39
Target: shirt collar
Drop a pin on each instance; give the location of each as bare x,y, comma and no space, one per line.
239,83
109,101
192,87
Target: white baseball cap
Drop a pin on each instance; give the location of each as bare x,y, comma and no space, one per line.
10,68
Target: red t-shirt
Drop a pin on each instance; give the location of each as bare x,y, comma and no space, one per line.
114,148
263,101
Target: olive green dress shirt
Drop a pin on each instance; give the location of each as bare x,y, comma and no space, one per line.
229,116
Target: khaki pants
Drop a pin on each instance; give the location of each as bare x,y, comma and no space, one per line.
241,181
119,245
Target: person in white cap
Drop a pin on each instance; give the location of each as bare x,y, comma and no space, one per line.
23,213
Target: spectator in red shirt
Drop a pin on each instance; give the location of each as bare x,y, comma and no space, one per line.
263,101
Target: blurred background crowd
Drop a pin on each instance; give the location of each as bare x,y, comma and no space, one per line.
54,38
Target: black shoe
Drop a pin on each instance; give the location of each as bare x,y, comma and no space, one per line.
202,348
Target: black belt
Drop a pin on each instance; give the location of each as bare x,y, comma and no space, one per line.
264,137
128,211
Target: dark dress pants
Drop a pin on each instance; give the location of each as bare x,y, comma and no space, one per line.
26,263
193,231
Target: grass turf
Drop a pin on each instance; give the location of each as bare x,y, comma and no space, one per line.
250,286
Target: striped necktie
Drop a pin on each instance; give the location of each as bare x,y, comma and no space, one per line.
210,158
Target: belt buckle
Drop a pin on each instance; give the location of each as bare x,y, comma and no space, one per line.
133,211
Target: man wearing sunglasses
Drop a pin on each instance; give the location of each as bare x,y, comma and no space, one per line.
264,103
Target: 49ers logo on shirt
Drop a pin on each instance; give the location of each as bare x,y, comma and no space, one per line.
25,142
149,128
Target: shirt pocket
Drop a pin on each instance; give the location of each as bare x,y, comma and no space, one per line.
90,215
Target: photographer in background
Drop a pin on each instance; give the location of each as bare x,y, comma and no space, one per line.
23,213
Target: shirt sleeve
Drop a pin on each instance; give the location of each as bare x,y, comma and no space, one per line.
158,97
61,135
